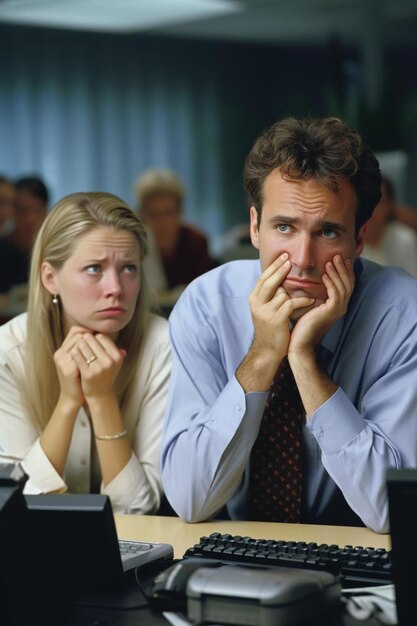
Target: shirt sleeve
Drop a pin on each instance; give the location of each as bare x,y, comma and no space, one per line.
210,426
137,489
20,438
359,444
43,477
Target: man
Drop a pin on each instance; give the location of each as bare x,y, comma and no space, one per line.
7,198
31,204
178,251
344,329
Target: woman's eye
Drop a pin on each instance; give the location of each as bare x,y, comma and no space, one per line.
93,269
130,269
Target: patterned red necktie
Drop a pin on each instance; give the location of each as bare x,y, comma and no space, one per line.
275,480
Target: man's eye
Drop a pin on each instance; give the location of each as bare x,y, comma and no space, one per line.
93,269
283,228
329,234
130,268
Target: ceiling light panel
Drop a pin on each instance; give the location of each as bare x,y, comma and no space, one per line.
112,15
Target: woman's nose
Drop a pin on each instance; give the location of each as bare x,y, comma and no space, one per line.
113,283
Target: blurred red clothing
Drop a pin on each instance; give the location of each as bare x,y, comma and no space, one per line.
190,258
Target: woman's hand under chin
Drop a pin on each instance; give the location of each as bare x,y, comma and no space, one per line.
67,369
98,360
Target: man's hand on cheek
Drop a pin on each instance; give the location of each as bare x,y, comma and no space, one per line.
272,307
312,326
339,281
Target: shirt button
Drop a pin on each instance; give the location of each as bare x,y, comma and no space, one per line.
84,424
83,462
239,409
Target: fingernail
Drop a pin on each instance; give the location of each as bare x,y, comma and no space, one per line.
284,256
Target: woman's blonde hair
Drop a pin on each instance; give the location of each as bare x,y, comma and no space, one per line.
72,217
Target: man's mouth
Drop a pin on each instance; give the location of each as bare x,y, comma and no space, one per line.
301,283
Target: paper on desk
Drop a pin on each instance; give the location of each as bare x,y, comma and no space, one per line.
383,591
377,601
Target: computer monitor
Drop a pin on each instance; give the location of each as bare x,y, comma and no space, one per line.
59,549
75,537
402,495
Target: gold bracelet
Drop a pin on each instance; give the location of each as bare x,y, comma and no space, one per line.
122,433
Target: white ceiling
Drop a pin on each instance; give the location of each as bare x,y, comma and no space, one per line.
270,21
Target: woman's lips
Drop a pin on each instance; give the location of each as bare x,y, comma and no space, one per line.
112,311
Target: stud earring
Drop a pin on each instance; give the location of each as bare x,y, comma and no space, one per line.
55,299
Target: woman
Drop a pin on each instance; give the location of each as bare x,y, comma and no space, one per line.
84,374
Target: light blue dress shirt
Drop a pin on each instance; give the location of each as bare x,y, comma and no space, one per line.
368,425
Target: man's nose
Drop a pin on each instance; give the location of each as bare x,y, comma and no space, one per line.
303,255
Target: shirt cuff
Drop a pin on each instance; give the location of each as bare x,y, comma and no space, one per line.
43,477
130,491
335,423
240,409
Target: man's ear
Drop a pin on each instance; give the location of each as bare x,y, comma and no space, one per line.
254,229
48,276
361,239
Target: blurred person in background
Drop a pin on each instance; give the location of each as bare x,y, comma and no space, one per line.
31,206
405,214
178,251
7,202
236,243
84,373
388,242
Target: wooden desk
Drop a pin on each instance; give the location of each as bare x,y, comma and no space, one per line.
182,535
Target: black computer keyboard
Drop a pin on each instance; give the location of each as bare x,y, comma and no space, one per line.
356,566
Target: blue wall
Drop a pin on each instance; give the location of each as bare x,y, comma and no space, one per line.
91,111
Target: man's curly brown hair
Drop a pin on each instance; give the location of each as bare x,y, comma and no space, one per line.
325,149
